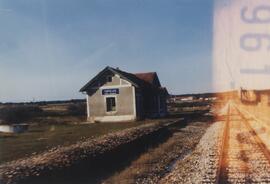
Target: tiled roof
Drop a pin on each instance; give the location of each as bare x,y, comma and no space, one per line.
147,77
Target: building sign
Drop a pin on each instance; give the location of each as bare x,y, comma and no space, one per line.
241,48
110,91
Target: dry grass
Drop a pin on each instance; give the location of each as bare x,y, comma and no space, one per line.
19,114
151,166
43,114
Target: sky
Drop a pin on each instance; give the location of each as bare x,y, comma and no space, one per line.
50,48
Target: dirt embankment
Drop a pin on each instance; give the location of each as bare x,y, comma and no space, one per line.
68,162
157,162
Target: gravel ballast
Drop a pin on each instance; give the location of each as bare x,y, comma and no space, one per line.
201,165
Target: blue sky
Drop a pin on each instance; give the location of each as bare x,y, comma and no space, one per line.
50,48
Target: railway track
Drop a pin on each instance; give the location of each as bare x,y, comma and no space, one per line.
242,156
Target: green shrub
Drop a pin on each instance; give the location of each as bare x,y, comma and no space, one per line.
19,113
77,109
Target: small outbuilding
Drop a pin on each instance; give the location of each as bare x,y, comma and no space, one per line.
114,95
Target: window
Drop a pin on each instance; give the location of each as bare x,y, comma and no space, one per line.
109,78
110,103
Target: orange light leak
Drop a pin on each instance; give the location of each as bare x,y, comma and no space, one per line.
241,53
241,73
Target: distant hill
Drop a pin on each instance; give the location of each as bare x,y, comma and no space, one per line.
46,102
206,95
195,95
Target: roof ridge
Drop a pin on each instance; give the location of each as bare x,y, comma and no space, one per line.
145,73
131,77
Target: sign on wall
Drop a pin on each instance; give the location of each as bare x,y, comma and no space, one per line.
110,91
241,48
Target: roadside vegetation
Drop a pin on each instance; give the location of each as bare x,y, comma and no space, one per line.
76,109
19,114
43,113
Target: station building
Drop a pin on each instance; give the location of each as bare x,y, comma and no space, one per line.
114,95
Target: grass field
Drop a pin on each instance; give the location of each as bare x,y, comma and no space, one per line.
43,137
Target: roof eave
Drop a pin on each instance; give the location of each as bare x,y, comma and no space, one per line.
122,76
84,88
